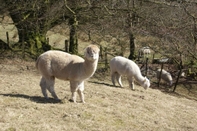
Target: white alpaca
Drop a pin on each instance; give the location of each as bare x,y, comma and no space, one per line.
166,76
57,64
123,66
144,51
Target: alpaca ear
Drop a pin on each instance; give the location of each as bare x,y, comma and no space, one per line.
87,51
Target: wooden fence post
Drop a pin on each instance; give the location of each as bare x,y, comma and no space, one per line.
101,52
160,75
8,41
106,61
177,80
66,46
146,67
153,58
23,44
89,35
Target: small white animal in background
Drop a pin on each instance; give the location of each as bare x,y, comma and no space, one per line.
144,51
166,76
57,64
122,66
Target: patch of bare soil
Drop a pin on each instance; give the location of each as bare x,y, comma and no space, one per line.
107,108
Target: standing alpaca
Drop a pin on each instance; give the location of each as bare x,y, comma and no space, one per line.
57,64
123,66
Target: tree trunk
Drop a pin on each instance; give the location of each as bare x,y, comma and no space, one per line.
73,48
31,36
35,42
131,16
132,46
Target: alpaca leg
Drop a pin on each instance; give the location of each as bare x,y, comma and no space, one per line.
50,87
131,83
118,78
80,91
81,95
43,87
113,78
132,86
74,97
73,89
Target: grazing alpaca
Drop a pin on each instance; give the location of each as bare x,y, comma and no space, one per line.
166,76
123,66
144,51
57,64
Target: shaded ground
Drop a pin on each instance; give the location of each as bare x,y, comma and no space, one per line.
107,108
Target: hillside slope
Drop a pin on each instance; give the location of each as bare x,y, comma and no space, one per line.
107,108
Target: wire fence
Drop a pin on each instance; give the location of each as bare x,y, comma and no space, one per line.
147,66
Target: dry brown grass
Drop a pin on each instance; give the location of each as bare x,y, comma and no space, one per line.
23,107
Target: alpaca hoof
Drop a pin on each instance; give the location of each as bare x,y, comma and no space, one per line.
58,100
71,100
46,97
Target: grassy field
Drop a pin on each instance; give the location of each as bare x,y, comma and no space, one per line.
23,107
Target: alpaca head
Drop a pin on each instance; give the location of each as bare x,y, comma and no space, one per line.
92,53
146,83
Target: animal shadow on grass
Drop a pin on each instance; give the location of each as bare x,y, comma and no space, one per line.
102,83
37,99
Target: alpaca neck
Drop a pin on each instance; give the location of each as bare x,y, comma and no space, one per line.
140,79
90,67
